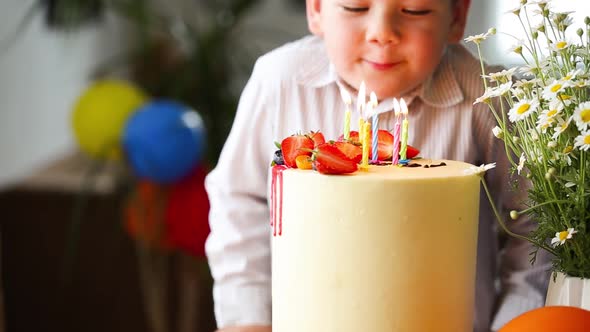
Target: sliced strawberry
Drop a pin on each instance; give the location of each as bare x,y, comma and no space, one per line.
317,137
384,145
352,151
330,160
412,152
294,146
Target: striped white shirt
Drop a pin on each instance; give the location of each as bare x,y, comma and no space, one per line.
295,89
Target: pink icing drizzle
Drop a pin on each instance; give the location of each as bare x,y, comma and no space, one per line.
277,206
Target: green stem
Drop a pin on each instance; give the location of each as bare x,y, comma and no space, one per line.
505,228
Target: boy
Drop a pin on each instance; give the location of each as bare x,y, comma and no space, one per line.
400,48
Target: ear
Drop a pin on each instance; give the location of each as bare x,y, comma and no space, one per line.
313,11
460,10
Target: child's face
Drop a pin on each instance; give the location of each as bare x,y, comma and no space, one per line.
392,45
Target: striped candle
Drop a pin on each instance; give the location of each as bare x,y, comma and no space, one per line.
360,107
405,127
347,101
375,139
396,132
365,157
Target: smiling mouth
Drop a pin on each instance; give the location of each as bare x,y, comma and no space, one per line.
381,65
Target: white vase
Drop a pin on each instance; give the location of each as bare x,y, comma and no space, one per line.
568,291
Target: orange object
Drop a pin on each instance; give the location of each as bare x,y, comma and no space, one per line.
145,215
550,319
303,162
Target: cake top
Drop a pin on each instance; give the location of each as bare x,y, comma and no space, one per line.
416,169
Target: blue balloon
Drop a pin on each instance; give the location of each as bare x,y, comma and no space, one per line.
164,140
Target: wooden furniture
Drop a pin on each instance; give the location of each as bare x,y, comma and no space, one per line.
101,291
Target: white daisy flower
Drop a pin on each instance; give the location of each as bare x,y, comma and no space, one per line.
477,39
521,163
562,126
497,131
529,70
583,141
515,10
572,74
544,123
561,237
581,83
582,116
479,170
503,76
488,95
559,45
565,99
522,110
555,88
552,144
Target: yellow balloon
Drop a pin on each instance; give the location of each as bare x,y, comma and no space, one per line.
100,114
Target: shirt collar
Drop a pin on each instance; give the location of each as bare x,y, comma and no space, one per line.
440,89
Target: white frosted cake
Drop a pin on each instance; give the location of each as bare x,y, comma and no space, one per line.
387,249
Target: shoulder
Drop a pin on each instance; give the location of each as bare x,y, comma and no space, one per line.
291,61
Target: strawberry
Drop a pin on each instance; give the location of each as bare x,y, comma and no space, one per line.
353,137
296,145
384,145
330,160
412,152
352,151
317,137
303,162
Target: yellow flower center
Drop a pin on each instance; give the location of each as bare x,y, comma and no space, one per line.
523,108
585,115
551,113
587,139
568,149
563,235
556,87
564,97
561,45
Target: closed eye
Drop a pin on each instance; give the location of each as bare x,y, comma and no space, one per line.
355,9
416,12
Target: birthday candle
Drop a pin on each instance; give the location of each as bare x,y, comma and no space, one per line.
360,105
347,101
396,132
366,138
375,139
405,125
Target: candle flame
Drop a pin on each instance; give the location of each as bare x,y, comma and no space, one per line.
373,99
404,107
360,101
396,107
368,110
346,97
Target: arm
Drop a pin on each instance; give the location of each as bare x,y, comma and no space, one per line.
522,285
238,248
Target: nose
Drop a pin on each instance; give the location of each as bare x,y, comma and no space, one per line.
383,31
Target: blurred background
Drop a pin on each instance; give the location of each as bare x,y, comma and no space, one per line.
86,245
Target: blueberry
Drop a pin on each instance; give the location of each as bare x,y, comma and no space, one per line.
278,157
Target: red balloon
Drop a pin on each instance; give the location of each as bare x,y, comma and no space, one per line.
187,215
